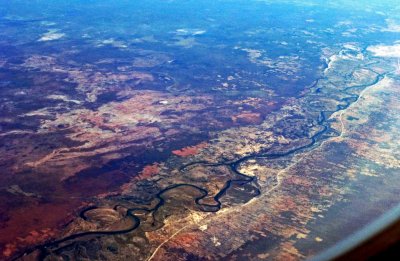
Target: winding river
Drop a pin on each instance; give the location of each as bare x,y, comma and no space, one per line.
241,179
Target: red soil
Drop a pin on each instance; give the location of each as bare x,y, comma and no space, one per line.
41,220
190,151
247,118
186,239
149,171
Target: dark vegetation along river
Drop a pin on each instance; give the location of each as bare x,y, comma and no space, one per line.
194,130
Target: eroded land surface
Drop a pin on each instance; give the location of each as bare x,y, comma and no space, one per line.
254,192
113,151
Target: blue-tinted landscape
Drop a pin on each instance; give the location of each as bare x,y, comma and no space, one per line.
195,130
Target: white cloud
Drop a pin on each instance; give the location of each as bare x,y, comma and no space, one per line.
51,35
392,26
190,32
385,50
